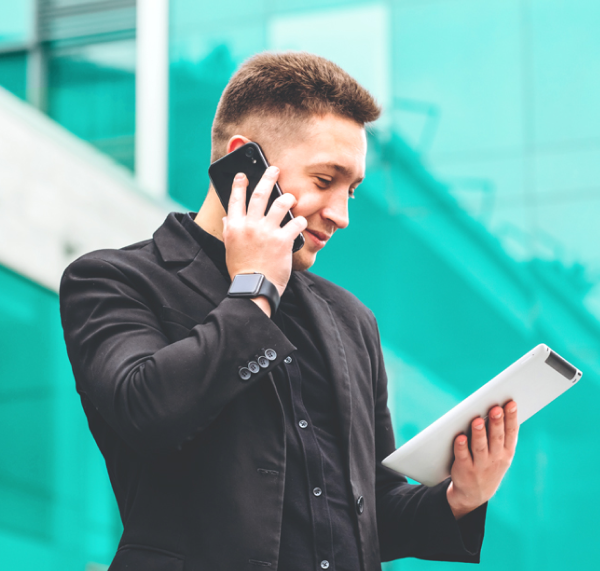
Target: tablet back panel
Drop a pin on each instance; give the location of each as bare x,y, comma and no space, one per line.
533,381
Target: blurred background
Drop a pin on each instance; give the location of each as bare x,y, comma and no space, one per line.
473,238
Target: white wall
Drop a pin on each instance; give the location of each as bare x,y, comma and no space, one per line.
60,198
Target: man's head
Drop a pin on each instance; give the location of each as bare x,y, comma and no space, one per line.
308,115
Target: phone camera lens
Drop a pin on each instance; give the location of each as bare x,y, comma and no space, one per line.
249,152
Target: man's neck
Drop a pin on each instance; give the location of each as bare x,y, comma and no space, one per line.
210,215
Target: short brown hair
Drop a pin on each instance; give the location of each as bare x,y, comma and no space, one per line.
297,85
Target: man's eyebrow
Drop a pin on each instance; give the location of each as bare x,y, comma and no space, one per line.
339,168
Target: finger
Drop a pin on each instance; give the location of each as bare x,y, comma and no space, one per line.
237,198
260,197
280,207
461,450
496,430
479,443
295,226
511,426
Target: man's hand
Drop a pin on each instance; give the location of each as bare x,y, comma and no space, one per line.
477,473
255,242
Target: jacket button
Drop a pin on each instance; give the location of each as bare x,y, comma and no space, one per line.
253,366
324,564
244,373
287,360
263,361
270,354
360,505
317,492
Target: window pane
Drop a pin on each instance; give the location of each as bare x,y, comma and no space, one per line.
16,21
13,73
92,93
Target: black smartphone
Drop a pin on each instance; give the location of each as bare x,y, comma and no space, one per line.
250,160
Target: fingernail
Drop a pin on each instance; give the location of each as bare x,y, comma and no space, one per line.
462,442
478,426
239,176
512,408
273,170
497,415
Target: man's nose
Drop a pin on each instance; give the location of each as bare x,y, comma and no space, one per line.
336,210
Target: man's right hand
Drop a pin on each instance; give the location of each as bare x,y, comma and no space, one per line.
255,242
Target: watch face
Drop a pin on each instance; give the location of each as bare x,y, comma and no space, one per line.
248,284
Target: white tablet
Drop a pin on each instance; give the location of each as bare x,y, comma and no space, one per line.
533,381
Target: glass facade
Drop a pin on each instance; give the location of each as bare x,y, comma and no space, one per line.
92,93
16,22
58,511
13,73
472,238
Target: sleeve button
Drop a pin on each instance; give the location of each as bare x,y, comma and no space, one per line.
253,366
270,354
244,373
263,361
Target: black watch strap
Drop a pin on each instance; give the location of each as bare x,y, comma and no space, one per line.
254,285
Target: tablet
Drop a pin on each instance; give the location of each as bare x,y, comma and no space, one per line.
533,381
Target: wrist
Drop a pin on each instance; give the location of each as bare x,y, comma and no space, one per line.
263,303
459,508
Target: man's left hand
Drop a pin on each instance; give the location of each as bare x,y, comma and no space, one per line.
477,473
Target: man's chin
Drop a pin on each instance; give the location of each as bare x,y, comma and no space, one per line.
301,262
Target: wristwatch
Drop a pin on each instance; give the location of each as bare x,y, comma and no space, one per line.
254,285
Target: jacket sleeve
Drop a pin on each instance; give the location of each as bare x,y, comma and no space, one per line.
416,520
157,395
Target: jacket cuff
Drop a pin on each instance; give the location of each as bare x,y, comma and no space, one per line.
458,540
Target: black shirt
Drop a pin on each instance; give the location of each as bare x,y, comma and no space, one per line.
319,519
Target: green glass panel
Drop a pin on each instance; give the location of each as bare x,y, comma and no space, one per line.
58,511
13,73
92,93
195,90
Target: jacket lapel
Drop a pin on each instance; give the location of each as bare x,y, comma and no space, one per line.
176,245
203,276
330,343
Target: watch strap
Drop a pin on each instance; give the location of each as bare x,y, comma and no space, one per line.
266,289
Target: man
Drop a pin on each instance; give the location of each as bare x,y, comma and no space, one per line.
248,432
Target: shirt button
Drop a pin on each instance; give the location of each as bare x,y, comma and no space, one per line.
324,564
270,354
287,360
360,505
253,366
303,424
263,361
244,373
317,492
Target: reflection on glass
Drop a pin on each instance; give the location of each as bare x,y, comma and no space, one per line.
16,21
92,93
195,89
13,73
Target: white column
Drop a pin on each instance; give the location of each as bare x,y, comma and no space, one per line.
152,95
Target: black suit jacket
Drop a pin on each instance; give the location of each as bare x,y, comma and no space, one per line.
196,455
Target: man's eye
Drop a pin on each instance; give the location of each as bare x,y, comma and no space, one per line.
324,181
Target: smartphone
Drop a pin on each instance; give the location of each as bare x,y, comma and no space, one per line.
250,160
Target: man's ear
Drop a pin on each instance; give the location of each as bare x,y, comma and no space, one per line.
236,142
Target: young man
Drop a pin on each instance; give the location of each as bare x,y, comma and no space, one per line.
248,432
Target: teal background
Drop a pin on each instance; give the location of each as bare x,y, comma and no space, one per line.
473,238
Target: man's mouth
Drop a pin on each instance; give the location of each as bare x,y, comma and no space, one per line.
319,238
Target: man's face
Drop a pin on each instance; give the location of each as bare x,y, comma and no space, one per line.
322,171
